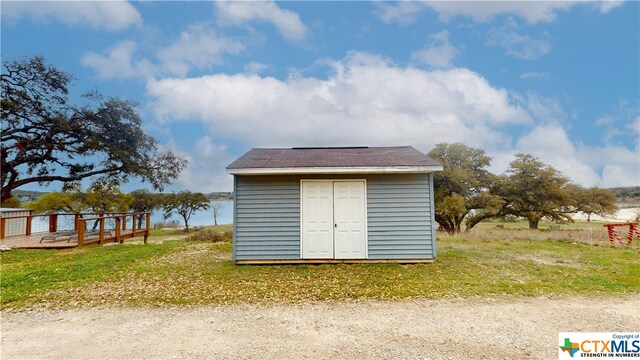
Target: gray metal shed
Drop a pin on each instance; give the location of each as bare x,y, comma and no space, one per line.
350,204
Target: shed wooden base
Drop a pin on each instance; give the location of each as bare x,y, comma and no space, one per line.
331,261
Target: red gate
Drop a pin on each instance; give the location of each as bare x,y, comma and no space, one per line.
633,229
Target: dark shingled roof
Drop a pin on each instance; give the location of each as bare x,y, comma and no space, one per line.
333,157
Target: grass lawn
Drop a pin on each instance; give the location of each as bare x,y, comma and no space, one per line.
490,261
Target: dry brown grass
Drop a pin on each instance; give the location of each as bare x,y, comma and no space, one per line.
593,233
488,261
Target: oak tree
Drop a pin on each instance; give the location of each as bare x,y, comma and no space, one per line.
185,204
462,188
593,201
534,190
145,201
45,138
104,198
71,202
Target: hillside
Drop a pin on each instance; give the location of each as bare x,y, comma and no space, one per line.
27,195
627,196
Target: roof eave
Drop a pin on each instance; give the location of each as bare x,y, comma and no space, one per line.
337,170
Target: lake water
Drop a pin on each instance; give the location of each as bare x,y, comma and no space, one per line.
225,216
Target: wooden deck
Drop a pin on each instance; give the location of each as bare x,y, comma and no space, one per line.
116,231
33,241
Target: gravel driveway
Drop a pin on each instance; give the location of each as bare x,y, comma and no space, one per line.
421,329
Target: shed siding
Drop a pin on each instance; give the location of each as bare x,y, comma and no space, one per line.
267,218
399,219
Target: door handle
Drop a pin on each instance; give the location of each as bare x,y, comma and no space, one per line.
335,225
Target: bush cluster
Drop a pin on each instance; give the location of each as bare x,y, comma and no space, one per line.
208,235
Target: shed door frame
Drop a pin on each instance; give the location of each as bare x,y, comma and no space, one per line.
366,232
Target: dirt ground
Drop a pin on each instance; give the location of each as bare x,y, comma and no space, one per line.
421,329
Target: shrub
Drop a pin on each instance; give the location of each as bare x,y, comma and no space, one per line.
170,224
208,235
510,218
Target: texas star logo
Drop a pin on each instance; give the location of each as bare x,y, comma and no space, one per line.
570,347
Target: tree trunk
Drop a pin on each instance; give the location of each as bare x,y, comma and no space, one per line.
215,218
457,224
445,225
588,217
533,223
6,195
448,228
186,223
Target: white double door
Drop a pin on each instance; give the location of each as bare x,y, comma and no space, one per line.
333,219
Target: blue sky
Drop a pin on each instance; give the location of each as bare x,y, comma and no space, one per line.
559,80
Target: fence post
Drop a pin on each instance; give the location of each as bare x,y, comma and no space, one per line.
118,229
632,230
80,224
133,225
28,229
2,226
53,223
76,220
101,235
148,225
124,222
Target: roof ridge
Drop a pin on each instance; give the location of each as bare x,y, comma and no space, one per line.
330,147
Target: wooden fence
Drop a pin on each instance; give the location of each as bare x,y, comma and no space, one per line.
112,227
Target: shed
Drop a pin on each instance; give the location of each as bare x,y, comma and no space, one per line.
335,204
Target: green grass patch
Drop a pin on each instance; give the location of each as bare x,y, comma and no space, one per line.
26,273
178,232
201,272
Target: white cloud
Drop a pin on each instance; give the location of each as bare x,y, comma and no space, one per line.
403,12
206,170
551,144
198,47
545,109
605,166
117,63
103,15
406,12
634,126
620,165
287,22
608,5
531,11
613,131
605,120
534,75
518,45
254,68
367,100
439,52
